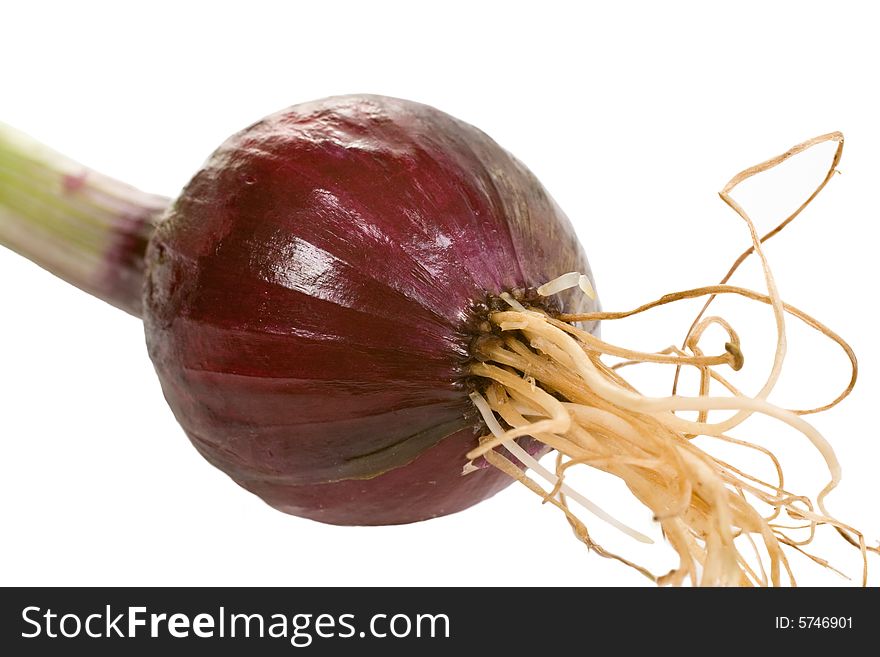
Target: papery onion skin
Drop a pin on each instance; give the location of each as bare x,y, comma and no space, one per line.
310,299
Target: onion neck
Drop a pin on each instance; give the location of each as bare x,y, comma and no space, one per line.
84,227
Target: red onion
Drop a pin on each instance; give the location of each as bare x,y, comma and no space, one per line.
312,294
351,292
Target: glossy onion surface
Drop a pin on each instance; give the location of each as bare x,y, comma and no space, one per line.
310,302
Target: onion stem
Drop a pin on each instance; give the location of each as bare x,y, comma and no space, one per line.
82,226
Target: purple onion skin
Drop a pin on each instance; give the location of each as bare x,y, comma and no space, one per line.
310,302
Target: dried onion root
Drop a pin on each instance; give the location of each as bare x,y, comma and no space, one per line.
546,378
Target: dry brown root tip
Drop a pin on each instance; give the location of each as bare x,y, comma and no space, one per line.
546,378
737,355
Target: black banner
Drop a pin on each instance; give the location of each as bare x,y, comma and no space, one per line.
340,621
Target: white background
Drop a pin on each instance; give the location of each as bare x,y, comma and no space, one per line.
632,114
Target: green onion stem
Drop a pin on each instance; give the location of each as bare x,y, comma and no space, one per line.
82,226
